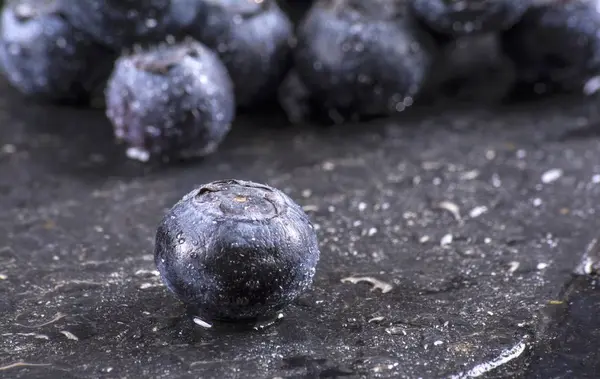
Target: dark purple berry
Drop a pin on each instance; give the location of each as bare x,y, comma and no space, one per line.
172,100
236,250
182,16
556,45
44,57
252,39
471,69
121,23
360,58
462,17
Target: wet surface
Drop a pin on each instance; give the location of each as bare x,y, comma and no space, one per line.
448,242
573,336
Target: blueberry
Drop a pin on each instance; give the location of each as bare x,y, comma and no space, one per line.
253,40
360,58
121,23
170,101
462,17
236,250
44,57
182,16
471,69
556,45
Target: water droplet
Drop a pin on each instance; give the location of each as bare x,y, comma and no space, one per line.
151,23
61,42
138,153
198,321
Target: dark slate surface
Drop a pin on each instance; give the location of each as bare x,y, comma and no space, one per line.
475,217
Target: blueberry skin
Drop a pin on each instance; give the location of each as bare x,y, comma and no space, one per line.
556,44
170,101
253,39
236,250
43,57
463,17
361,58
121,24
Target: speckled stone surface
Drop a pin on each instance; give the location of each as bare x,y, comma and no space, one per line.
470,221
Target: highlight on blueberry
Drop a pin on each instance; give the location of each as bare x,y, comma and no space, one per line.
556,45
43,56
121,23
360,58
170,101
252,38
462,17
236,250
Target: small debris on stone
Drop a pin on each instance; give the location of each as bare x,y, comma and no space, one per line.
328,166
446,240
143,272
395,330
54,319
513,266
504,357
551,175
541,265
9,149
310,208
202,323
470,175
69,335
452,208
376,283
34,335
496,182
144,286
23,364
478,211
376,319
306,193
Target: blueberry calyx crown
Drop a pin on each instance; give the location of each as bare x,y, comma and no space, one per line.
241,200
27,10
244,8
162,60
369,10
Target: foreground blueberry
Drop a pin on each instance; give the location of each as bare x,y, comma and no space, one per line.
121,23
44,57
252,38
360,58
172,101
461,17
236,250
556,45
